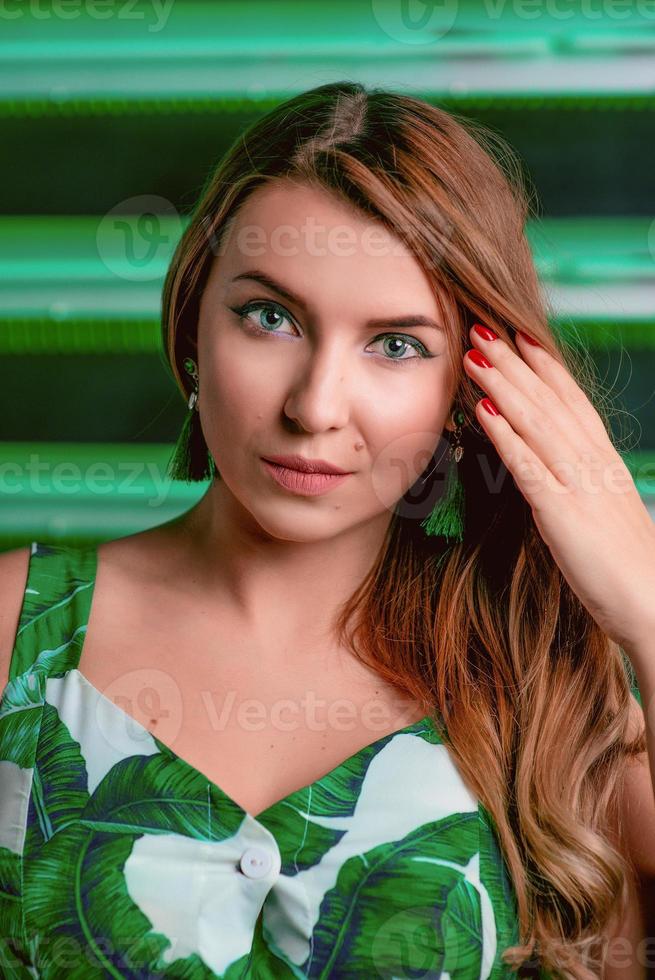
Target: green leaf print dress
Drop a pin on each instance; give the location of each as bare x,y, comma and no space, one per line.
120,859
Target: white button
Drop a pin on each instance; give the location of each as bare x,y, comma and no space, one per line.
256,862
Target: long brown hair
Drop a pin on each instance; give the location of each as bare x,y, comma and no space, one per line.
486,633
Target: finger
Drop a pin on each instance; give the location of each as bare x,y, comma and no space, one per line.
551,435
557,376
524,378
535,481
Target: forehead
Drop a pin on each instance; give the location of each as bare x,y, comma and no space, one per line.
303,205
316,243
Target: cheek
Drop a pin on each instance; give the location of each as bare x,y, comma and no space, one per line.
232,399
401,456
403,437
412,404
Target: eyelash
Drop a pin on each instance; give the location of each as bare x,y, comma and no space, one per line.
242,311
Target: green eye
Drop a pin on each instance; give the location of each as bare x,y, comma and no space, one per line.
406,344
244,312
249,308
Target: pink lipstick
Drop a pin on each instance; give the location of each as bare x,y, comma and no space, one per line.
303,482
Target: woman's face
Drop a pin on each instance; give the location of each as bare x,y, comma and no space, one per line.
310,367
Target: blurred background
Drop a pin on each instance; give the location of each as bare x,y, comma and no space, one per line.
114,114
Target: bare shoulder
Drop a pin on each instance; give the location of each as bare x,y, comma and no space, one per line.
145,556
13,579
634,837
638,803
632,831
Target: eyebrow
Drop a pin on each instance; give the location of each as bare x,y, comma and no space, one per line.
411,320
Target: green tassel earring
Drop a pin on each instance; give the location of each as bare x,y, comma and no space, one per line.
191,460
447,516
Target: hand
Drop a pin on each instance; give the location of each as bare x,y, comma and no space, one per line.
583,499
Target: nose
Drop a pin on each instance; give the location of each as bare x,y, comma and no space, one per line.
319,398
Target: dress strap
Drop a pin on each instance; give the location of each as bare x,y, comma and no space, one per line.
55,610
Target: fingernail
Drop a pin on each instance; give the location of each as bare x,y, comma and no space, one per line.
479,358
485,332
530,340
490,407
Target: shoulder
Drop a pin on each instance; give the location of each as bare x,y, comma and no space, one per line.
636,832
13,579
637,803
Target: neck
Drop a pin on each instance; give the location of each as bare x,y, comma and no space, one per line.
299,585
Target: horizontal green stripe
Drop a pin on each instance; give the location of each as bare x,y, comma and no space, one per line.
161,104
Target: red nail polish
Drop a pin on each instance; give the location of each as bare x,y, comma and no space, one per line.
490,407
479,358
534,343
485,332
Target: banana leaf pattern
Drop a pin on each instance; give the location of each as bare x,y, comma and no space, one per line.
119,859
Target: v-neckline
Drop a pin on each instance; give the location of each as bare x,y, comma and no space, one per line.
414,727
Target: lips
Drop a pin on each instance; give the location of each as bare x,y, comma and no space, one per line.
305,465
302,483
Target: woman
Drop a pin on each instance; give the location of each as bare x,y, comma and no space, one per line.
339,719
